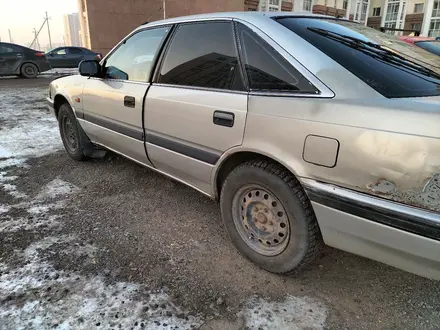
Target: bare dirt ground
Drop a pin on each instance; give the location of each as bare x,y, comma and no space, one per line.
108,244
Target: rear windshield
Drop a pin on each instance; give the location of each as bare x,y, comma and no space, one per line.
430,46
394,69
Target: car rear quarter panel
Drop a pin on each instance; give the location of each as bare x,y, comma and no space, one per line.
386,148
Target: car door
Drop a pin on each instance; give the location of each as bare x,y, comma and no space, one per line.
58,58
196,107
74,56
113,105
11,57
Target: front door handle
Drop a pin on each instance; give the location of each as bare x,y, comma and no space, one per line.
129,101
224,118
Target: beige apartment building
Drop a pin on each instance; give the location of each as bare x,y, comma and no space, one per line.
72,30
420,15
104,23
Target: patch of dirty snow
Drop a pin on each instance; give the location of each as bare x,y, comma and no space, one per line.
38,208
12,190
4,208
29,130
30,138
56,188
292,313
9,224
9,162
5,178
39,296
61,72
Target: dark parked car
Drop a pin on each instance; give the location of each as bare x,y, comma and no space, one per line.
16,60
70,57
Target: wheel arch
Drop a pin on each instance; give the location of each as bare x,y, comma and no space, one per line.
58,101
230,161
28,62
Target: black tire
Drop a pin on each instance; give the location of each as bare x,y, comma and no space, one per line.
304,238
29,70
71,132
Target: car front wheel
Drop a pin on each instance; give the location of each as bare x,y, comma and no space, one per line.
70,132
269,217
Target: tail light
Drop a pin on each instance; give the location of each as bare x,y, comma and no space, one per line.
40,54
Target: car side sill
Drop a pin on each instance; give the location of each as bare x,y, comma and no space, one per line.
156,170
378,210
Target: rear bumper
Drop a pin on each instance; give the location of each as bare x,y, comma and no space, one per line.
395,234
44,66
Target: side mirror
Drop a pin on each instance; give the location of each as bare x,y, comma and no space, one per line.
89,69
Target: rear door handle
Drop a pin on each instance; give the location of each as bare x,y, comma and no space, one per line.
129,101
224,118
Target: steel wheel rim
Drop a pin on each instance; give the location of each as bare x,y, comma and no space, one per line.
69,134
30,70
261,220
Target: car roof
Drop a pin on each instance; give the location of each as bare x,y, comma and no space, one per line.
245,15
11,44
17,45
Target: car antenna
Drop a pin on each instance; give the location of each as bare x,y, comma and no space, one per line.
148,21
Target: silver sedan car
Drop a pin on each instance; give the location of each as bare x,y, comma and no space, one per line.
307,129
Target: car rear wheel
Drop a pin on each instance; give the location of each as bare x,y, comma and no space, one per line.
29,70
269,217
70,132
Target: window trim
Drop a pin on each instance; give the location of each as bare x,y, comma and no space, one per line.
418,4
155,80
160,50
59,49
323,90
317,91
380,12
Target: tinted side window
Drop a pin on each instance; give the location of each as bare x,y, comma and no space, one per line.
202,55
134,58
266,69
61,51
75,51
382,73
9,49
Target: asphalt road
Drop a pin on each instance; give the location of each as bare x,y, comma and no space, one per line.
109,244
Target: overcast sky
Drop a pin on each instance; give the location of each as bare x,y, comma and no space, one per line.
21,16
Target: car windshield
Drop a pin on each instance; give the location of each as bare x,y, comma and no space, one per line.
430,46
390,66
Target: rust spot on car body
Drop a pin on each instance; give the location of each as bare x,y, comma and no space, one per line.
427,198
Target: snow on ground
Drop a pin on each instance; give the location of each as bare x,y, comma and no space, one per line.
28,129
4,208
56,188
293,313
60,300
60,71
36,295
